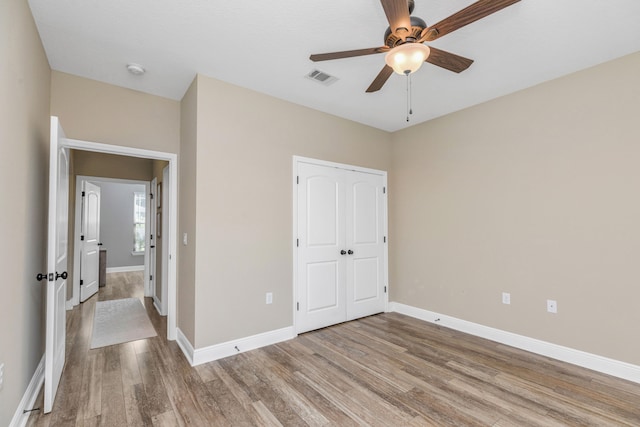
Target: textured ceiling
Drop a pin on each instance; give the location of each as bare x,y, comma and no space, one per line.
264,45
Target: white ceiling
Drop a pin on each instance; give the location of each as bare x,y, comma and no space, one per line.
264,45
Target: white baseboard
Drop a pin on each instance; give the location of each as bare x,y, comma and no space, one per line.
602,364
157,304
229,348
185,346
125,269
20,418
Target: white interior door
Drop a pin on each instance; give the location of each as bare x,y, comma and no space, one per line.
321,239
365,244
90,240
341,257
153,238
57,245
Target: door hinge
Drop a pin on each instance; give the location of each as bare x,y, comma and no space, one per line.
81,282
385,239
385,289
151,237
83,194
297,243
151,196
298,306
150,277
384,190
81,237
297,179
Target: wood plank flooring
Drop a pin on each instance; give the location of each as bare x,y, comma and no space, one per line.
384,370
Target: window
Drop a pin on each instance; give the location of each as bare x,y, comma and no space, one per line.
139,216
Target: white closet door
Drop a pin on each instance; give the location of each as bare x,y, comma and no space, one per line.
365,238
341,263
321,237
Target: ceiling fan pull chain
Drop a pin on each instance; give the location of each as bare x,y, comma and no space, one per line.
409,101
408,96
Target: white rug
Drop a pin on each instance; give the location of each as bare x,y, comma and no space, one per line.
119,321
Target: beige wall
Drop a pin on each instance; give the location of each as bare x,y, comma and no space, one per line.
536,194
24,150
245,144
187,213
99,112
112,166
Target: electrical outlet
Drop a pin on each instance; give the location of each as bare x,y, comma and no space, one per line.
506,298
552,306
269,297
1,375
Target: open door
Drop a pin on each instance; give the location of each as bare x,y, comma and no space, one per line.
57,245
153,241
90,238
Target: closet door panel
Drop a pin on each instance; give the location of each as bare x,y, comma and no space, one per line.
321,237
365,238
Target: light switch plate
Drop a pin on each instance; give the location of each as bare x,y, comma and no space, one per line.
506,298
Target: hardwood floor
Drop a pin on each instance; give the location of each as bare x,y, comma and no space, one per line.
384,370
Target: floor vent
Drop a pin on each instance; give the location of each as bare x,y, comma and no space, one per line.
321,77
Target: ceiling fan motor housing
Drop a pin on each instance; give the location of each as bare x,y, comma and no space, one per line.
417,27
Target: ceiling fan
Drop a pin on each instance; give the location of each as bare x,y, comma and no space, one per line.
406,34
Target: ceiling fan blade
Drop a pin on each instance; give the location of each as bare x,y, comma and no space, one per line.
347,53
397,12
469,14
380,79
448,60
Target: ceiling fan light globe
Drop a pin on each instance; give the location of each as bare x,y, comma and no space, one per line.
407,58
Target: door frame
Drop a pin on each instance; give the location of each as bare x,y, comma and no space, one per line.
172,211
165,248
299,159
80,179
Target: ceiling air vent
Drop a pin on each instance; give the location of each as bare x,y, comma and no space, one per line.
321,77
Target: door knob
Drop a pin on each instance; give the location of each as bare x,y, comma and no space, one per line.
343,252
41,276
63,275
350,252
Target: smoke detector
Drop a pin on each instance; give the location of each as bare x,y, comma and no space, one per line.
136,69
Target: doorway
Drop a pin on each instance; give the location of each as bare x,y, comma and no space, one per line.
170,211
115,239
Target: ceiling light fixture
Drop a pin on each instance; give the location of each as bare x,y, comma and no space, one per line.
407,58
136,69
